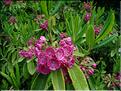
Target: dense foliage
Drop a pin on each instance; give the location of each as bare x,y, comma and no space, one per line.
58,45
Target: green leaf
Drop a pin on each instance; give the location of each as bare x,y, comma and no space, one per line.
78,79
106,41
17,74
25,71
58,80
31,67
90,37
7,77
20,59
57,7
44,7
39,82
107,27
79,54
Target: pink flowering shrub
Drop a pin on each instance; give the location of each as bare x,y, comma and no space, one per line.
88,66
51,58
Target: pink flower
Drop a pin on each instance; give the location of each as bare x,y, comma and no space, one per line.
31,41
97,30
67,51
7,2
42,58
65,41
50,52
39,43
43,69
70,62
44,26
87,17
37,51
82,67
53,64
42,39
87,6
118,76
27,54
12,20
63,35
94,65
68,41
62,43
90,71
38,46
59,54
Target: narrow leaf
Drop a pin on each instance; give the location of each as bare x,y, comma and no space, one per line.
78,79
44,7
58,80
107,27
6,77
31,67
39,82
106,41
90,37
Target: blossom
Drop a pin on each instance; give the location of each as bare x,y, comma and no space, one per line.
94,65
53,64
43,69
42,39
42,58
68,41
50,58
30,41
37,51
62,43
44,25
118,76
87,17
67,50
87,6
12,20
70,62
39,43
97,30
82,67
50,52
27,54
63,35
7,2
90,71
59,54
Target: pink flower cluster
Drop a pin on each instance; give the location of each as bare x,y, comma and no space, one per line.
87,16
44,25
117,81
87,6
50,58
87,70
88,66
